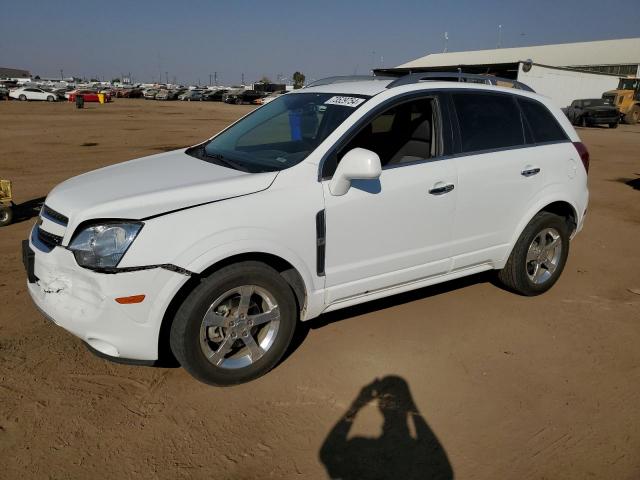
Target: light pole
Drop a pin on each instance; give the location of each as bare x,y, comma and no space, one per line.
500,36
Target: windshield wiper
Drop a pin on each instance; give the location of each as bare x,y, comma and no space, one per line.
224,161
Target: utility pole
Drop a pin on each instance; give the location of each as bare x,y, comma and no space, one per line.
500,36
215,77
210,80
61,76
166,77
242,83
446,42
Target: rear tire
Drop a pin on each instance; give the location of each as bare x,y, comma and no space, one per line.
220,343
538,257
22,98
50,99
613,125
6,215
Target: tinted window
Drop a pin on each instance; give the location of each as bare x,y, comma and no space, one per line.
543,124
488,121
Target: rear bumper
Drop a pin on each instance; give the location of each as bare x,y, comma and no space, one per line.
83,303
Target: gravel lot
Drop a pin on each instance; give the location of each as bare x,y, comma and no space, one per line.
471,381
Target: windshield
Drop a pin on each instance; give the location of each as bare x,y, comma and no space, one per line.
280,134
629,84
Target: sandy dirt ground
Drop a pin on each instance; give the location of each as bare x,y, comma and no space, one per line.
461,380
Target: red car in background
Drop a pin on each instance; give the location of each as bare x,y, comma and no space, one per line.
89,96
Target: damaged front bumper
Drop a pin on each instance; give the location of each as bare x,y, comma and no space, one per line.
83,302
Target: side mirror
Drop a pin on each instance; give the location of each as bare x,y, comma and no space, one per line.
357,164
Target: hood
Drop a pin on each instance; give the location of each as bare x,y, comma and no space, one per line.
150,186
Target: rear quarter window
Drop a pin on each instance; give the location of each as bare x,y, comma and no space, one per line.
488,121
544,126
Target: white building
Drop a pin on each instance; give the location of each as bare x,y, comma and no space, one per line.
563,72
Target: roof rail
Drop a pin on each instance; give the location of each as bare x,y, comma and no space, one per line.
346,78
457,77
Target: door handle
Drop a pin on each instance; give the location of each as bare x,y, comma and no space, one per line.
530,172
441,190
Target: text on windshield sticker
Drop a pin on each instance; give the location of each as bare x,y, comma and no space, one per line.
345,101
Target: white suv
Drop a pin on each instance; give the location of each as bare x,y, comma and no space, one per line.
326,197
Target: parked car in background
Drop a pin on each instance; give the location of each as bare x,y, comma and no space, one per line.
593,111
88,96
191,96
239,97
327,197
58,92
32,93
129,93
163,95
150,94
214,95
269,98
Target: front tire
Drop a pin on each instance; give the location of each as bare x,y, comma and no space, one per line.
50,99
22,98
538,257
613,125
633,116
235,325
6,215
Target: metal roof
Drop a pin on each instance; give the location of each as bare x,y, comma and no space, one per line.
603,52
14,73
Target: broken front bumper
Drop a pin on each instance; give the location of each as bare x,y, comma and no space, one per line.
83,302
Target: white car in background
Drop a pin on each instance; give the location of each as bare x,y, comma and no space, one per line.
32,93
327,197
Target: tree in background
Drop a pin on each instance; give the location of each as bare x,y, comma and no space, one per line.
298,80
265,80
115,80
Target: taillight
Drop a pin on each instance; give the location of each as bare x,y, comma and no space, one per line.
584,154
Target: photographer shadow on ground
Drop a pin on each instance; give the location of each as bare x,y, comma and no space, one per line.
396,453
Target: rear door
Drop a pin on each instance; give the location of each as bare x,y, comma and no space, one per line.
510,149
497,175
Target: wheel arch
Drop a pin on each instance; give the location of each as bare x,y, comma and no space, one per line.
290,274
561,207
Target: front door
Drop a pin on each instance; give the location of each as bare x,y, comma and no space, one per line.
388,232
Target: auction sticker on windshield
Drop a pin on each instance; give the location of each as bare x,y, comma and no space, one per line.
345,101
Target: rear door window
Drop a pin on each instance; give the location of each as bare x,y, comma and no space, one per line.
543,124
488,121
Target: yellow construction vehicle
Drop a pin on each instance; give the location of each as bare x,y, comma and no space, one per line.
6,203
627,98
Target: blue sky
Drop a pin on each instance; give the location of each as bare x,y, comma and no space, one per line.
192,39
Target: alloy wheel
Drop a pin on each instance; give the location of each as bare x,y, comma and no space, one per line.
239,327
543,255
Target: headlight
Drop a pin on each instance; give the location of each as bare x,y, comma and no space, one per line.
104,245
